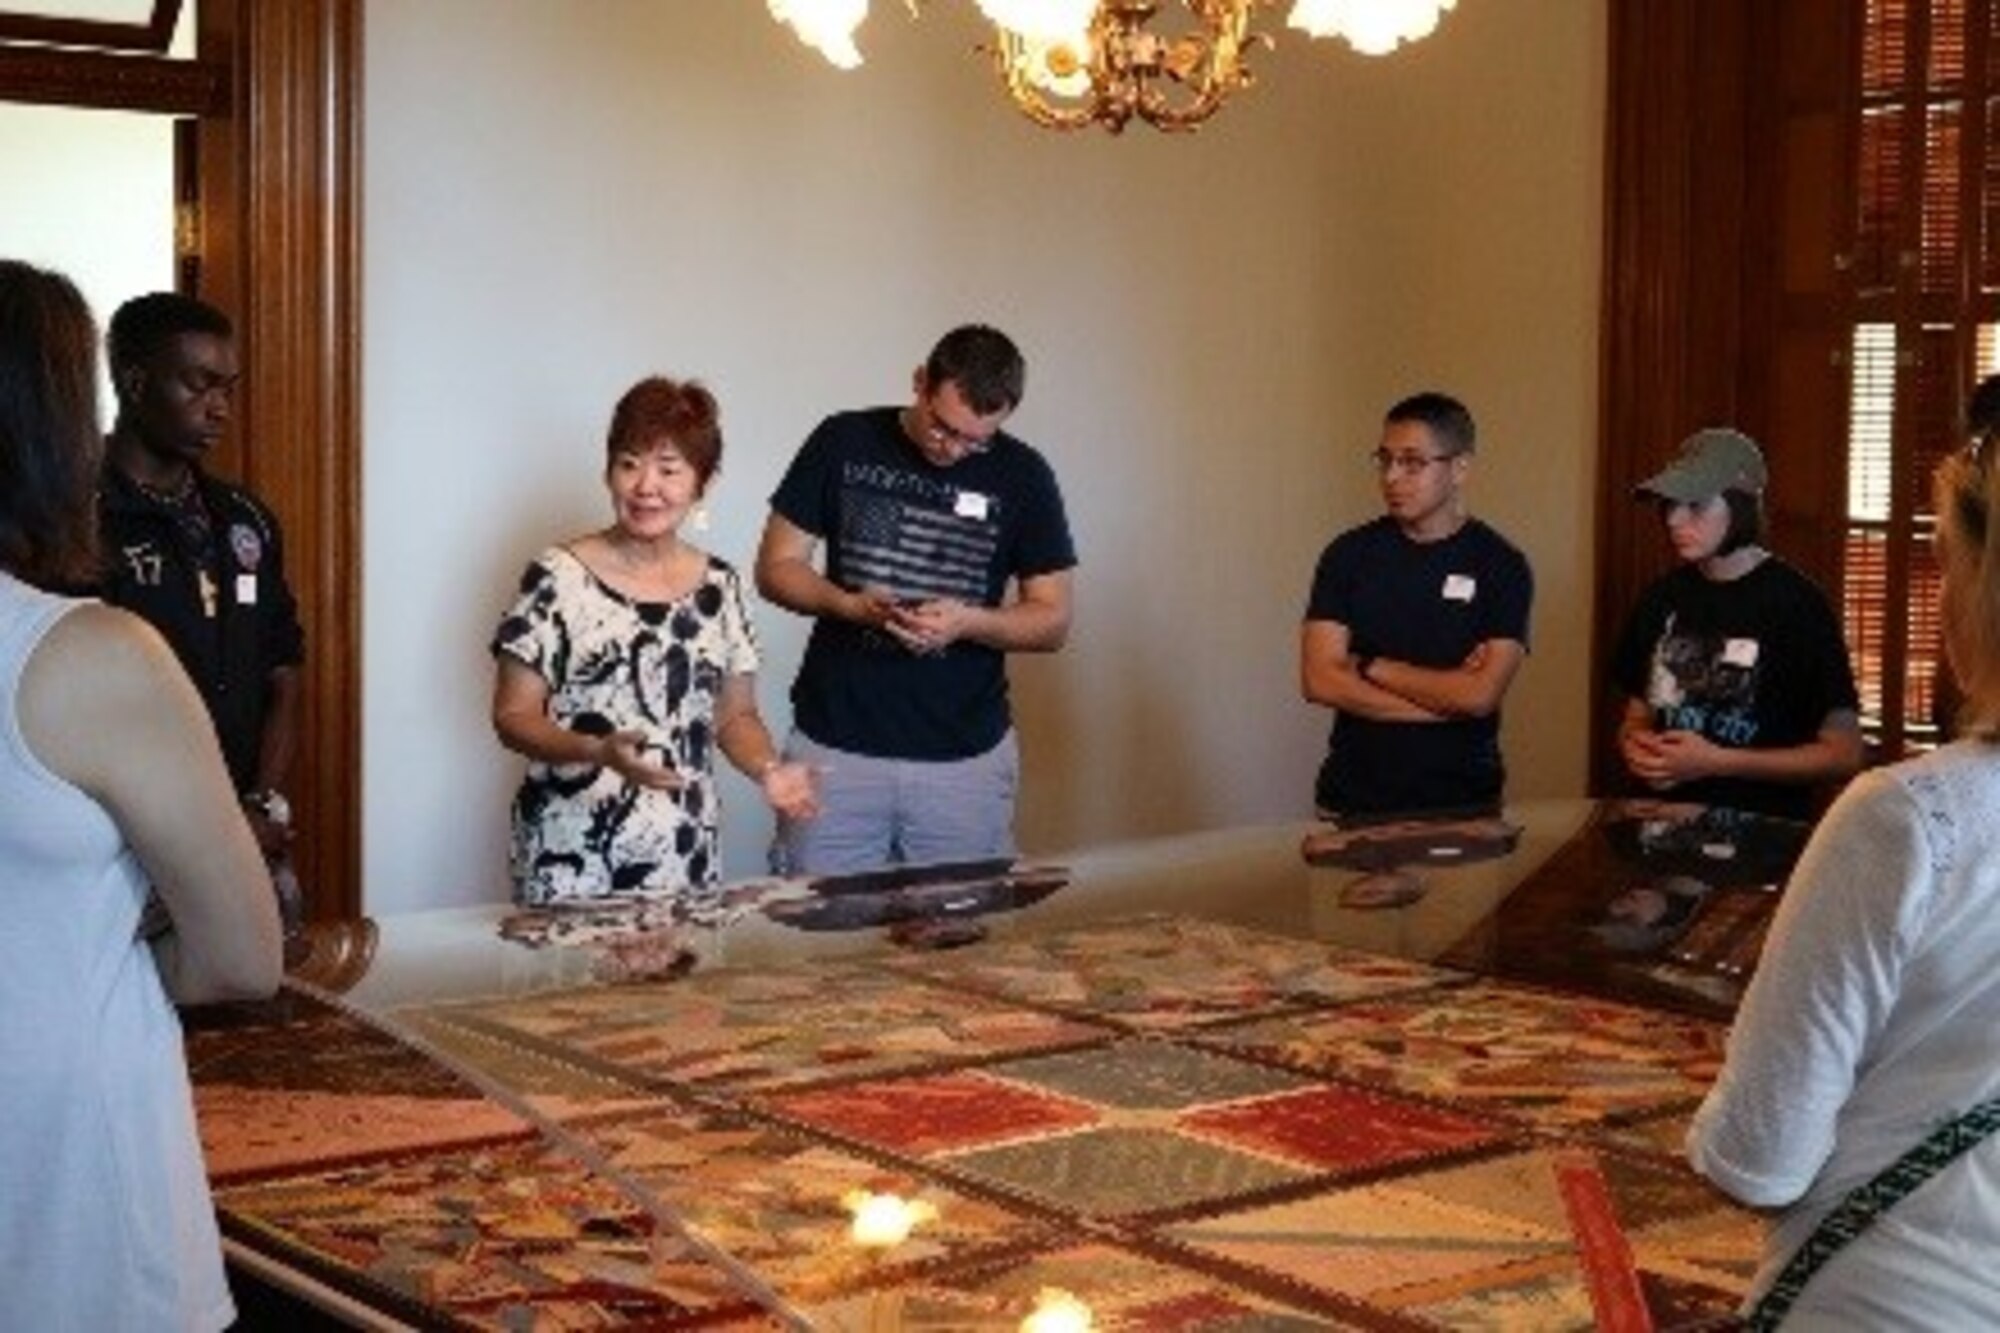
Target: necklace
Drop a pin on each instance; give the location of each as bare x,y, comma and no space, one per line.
178,496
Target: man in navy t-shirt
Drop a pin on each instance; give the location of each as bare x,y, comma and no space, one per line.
1418,621
928,514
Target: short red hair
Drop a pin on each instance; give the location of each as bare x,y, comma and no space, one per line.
680,412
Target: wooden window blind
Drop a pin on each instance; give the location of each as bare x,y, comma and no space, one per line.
1923,296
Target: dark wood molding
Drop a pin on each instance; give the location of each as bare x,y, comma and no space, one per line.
156,34
1665,235
281,189
51,77
1726,154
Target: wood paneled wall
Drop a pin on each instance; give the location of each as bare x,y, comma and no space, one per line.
1725,225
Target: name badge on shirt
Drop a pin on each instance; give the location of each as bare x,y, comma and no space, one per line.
1739,652
971,504
246,590
1460,587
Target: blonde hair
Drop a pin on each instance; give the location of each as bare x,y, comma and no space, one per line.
1966,492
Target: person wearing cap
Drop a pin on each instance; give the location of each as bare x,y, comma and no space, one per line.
1738,688
1416,624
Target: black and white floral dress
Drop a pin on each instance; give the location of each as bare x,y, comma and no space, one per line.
614,664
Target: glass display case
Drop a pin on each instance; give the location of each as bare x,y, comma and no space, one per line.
1293,1076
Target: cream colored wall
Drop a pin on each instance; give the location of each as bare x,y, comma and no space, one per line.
90,194
563,197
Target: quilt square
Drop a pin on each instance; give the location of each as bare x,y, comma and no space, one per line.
1161,973
1555,1061
1147,1075
1543,1238
1345,1130
507,1237
778,1201
308,1085
930,1114
551,1085
1126,1292
1124,1171
739,1030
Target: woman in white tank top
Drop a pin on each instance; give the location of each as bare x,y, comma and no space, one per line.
111,781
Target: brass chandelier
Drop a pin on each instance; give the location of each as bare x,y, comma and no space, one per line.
1070,64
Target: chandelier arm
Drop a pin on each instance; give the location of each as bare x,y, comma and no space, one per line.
1119,69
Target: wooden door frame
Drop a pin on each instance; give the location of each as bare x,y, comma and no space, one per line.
277,90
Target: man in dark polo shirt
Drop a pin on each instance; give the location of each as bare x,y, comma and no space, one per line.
200,559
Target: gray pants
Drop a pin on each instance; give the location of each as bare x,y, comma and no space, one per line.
882,812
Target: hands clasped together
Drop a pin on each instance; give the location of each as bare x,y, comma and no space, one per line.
1665,759
924,627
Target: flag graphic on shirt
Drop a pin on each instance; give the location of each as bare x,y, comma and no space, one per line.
913,550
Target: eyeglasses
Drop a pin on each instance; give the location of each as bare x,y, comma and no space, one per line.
943,433
1405,465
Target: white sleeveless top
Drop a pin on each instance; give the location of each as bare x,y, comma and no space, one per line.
105,1217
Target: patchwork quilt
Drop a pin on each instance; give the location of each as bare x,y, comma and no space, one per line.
1188,1126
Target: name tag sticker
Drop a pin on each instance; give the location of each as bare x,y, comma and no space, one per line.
246,590
1739,652
971,504
1460,587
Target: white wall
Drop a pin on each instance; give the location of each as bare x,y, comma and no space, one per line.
90,194
561,197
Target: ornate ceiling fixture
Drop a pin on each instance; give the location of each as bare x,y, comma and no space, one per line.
1069,64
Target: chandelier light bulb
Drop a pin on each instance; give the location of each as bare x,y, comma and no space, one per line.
1372,27
828,26
1061,66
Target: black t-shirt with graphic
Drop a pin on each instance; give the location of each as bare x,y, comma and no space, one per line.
1753,663
892,520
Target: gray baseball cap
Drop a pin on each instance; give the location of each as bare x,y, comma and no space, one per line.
1711,461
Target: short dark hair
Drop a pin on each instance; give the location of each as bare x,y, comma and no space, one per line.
985,365
50,447
681,411
1982,409
145,324
1449,422
1746,518
1746,521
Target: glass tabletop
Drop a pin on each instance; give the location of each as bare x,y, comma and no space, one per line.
1138,1074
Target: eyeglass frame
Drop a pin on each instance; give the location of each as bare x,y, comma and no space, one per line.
941,432
1406,465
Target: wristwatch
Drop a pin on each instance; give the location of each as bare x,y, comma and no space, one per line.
271,804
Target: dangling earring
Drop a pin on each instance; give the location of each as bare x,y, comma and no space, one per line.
699,519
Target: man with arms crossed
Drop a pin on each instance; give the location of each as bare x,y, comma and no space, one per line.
1417,622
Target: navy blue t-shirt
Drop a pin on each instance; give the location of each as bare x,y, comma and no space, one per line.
1429,604
894,521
